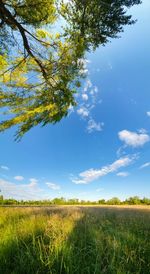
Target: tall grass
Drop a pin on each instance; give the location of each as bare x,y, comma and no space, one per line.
74,240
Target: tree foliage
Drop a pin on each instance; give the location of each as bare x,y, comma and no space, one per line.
40,68
99,20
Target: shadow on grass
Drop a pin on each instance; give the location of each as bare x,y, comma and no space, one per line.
102,240
108,240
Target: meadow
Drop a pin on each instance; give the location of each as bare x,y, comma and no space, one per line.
75,240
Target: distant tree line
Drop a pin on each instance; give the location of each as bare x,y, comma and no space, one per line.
62,201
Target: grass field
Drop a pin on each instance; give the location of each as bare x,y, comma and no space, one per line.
80,240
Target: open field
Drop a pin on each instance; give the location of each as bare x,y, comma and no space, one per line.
80,240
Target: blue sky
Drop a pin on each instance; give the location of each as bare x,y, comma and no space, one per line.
101,149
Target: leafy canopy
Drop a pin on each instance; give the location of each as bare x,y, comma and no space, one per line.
40,68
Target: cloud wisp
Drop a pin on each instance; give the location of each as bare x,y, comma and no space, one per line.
83,63
53,186
87,100
26,191
94,174
4,167
85,97
30,191
33,182
145,165
19,178
122,174
133,139
83,112
94,126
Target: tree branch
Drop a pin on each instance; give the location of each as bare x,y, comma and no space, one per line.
10,20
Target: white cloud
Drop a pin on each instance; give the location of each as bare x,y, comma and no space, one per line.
123,174
33,182
53,186
79,181
85,97
19,178
120,151
82,63
87,100
145,165
83,112
148,113
99,189
22,191
94,90
93,126
88,84
70,110
94,174
83,71
5,167
142,130
133,139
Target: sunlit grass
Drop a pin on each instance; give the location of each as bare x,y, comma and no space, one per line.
74,240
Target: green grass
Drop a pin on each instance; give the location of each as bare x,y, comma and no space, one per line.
80,240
